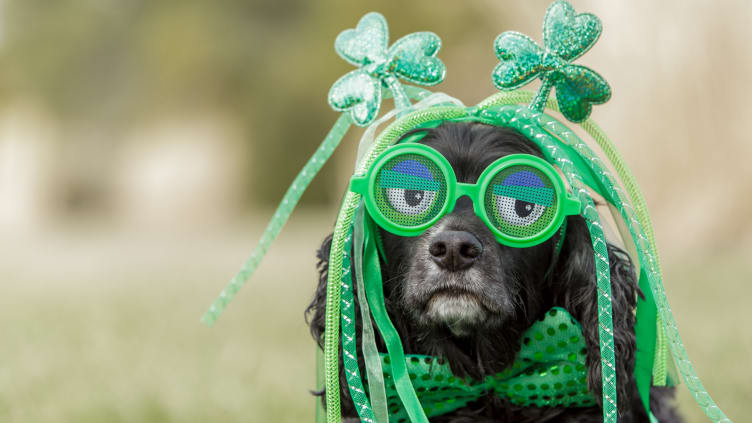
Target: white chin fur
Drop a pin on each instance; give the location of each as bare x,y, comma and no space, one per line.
459,312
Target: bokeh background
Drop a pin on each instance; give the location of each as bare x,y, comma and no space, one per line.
144,144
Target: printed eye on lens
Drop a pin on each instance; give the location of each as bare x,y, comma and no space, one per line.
520,200
518,212
410,201
523,208
410,189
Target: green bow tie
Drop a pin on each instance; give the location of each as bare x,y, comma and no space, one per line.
549,371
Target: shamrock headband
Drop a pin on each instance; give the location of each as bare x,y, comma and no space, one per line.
358,95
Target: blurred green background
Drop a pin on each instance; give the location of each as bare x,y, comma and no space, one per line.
143,145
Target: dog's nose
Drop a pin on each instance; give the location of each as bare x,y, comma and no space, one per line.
455,250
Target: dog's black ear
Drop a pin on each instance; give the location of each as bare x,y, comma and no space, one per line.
315,313
574,285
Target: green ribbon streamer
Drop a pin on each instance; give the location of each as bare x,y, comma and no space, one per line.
662,362
374,371
645,335
645,328
375,297
647,243
349,339
603,280
646,310
285,208
320,412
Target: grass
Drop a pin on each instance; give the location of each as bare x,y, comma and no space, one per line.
104,327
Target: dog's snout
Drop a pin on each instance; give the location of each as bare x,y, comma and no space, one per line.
455,250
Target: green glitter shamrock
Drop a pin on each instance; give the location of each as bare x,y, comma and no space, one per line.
412,58
566,36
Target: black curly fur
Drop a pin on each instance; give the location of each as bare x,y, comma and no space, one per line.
493,345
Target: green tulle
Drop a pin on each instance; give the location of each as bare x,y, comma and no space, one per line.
374,370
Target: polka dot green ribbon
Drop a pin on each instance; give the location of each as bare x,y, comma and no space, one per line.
549,371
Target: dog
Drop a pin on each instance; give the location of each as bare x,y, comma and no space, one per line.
454,292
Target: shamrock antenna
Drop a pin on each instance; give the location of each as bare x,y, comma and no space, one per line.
566,37
411,58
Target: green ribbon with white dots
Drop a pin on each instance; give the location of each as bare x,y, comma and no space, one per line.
549,371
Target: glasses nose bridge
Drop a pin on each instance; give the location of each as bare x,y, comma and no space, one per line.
470,190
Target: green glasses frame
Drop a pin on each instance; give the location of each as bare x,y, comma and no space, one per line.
565,204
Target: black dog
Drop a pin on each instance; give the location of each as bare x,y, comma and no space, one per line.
455,292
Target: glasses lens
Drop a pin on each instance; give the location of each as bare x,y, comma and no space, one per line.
410,190
520,201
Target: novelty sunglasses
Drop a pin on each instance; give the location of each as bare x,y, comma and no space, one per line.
520,197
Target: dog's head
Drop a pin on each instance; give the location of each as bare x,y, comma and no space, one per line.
456,293
464,295
456,277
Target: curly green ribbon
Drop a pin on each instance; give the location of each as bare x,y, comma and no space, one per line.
646,314
670,329
662,367
646,249
566,36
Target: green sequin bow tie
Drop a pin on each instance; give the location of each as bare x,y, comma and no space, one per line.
549,371
566,37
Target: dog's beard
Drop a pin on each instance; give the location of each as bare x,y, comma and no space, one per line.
460,310
472,310
465,301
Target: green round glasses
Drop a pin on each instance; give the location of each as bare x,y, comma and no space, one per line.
520,197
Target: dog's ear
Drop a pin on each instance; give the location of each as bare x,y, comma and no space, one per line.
315,313
574,285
